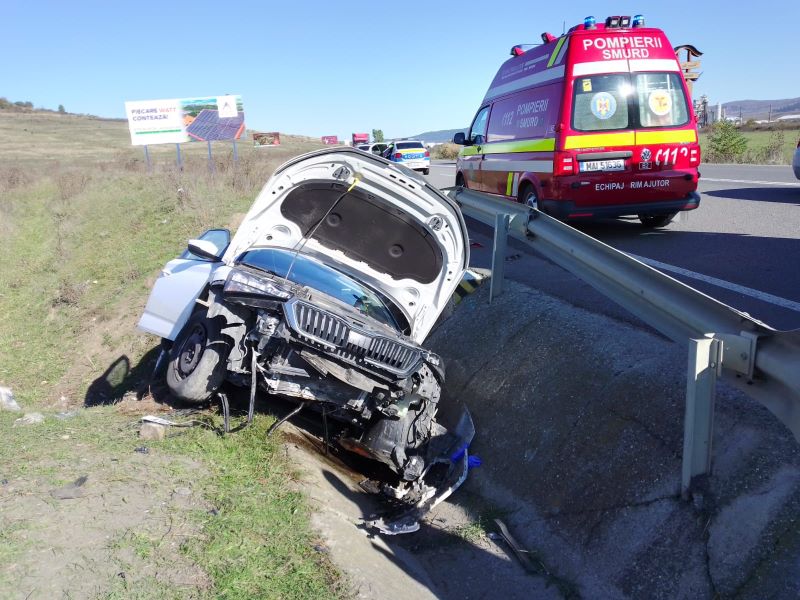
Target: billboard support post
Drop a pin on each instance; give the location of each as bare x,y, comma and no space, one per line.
147,159
210,160
235,153
178,160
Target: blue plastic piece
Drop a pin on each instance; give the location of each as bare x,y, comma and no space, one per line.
474,461
456,456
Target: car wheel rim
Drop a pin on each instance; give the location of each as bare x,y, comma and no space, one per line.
192,350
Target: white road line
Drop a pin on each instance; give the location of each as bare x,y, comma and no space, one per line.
781,183
734,287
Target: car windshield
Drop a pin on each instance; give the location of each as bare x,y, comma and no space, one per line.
313,274
409,145
622,101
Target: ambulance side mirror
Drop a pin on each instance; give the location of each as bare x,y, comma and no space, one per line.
460,138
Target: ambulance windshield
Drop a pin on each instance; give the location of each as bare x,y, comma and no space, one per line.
623,101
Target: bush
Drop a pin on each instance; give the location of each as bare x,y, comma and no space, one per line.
726,143
445,151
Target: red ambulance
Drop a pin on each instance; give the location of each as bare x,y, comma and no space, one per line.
595,123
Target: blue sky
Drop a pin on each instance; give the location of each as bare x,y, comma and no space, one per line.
319,68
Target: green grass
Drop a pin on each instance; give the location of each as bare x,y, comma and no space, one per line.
760,139
85,232
259,544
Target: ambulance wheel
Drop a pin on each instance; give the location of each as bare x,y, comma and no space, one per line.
426,171
529,198
657,220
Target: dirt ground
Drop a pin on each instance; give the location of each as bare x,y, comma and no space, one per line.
82,521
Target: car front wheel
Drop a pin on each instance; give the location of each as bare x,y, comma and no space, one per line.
197,359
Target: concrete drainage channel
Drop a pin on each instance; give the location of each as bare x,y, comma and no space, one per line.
581,437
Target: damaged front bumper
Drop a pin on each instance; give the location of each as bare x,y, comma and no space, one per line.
447,468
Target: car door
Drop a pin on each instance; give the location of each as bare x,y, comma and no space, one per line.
181,282
472,155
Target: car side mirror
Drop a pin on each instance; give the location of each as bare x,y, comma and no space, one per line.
206,249
460,138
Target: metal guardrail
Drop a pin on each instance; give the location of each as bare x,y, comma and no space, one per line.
722,341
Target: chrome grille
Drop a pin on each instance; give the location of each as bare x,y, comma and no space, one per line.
360,348
320,325
393,355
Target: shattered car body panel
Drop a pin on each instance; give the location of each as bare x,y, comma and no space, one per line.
337,274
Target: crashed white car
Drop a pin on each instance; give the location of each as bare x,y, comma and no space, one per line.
324,295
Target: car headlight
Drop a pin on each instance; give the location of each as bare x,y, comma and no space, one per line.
241,282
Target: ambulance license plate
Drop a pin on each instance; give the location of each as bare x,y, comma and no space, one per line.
616,164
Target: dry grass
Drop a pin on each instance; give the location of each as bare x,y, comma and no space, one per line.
85,232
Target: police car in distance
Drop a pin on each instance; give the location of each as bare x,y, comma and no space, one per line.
411,154
375,148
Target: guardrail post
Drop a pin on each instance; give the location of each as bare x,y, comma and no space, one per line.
501,224
698,426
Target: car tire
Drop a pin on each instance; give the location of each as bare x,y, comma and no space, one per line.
653,221
198,359
426,171
529,197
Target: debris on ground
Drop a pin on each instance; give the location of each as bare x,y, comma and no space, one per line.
519,552
63,416
7,401
152,431
71,491
33,418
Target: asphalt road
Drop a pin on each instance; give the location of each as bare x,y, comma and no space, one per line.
741,246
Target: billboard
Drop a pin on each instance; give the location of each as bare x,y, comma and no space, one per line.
179,120
330,140
261,139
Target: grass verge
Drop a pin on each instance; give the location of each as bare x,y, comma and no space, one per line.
245,533
84,235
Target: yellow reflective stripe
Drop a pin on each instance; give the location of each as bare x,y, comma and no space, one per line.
543,145
509,183
598,140
555,52
666,137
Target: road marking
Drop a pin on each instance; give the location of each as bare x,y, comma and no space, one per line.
734,287
783,183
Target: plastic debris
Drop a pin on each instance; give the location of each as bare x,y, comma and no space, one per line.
70,491
474,461
7,401
63,416
30,419
142,450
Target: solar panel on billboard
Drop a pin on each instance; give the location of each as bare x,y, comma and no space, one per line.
208,126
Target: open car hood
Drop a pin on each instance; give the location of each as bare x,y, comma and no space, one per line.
369,218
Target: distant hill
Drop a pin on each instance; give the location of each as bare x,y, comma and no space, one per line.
442,135
761,109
